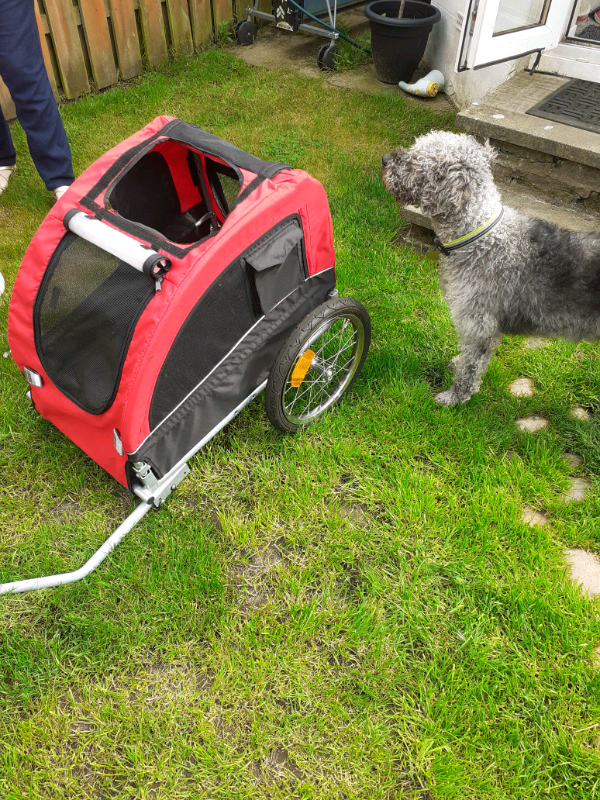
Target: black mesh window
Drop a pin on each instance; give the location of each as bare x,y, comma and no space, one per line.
225,184
146,193
84,316
220,319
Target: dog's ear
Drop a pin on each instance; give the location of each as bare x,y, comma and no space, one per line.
489,152
447,188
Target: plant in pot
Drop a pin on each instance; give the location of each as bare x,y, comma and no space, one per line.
399,33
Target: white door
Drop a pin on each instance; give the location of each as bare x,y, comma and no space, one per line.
502,30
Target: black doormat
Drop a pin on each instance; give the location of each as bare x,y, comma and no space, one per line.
591,32
577,104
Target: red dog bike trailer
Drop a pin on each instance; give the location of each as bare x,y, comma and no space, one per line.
176,279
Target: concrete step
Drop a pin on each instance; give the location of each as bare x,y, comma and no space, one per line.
536,154
544,169
533,204
502,115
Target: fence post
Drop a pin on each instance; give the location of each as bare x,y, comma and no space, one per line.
153,31
181,31
67,46
122,14
222,12
97,36
202,29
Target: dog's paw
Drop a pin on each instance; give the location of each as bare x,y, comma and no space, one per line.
447,398
452,364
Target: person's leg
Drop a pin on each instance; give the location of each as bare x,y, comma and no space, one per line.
23,71
8,156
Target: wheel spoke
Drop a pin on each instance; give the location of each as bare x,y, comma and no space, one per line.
334,351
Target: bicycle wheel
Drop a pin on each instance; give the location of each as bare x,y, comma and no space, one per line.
318,364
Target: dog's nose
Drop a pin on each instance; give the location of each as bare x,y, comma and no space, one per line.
386,159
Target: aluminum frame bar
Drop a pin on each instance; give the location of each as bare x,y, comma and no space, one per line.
153,494
47,582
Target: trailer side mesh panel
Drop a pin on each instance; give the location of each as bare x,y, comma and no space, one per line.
84,315
219,320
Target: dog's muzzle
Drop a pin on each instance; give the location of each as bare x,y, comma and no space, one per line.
384,163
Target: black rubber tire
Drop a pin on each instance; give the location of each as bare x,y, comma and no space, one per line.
279,389
245,32
326,57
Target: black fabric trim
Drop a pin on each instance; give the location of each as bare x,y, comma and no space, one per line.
276,244
272,233
149,235
206,143
122,161
187,133
254,184
246,368
264,175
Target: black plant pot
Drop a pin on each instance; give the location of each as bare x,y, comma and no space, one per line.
397,45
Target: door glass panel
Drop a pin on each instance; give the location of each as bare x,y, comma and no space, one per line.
515,15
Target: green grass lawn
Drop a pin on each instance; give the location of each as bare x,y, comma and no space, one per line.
354,612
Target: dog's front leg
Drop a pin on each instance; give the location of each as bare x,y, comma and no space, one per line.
469,367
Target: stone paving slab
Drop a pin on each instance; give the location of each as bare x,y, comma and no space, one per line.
531,424
522,387
577,491
533,518
584,568
581,414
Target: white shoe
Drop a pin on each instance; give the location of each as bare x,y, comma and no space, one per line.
583,10
59,191
2,284
5,173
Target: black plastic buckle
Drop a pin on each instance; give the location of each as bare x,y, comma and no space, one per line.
440,246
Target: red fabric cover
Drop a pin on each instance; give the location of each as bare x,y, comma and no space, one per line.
289,192
176,155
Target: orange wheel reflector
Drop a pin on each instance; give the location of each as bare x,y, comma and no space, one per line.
301,368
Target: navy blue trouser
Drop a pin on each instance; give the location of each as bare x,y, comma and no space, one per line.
23,71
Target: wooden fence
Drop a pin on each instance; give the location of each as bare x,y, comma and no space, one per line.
91,44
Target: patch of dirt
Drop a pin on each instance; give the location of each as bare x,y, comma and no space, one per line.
584,568
356,514
67,509
231,724
201,504
161,682
276,764
251,578
522,387
533,343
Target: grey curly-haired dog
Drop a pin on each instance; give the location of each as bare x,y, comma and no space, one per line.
500,271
